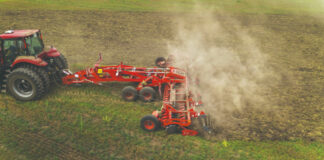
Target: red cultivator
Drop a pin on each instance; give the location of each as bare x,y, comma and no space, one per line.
178,105
149,80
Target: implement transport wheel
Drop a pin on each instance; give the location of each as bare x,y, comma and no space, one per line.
150,123
129,93
25,84
147,94
160,62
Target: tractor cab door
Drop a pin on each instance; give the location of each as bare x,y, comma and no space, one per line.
12,48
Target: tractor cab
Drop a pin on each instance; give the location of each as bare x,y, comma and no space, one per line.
26,68
15,43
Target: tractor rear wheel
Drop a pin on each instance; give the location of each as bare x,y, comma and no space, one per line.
147,94
129,93
150,123
42,74
25,84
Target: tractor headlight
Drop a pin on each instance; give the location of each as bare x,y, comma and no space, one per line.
76,76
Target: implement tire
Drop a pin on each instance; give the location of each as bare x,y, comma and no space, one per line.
147,94
150,123
160,62
129,93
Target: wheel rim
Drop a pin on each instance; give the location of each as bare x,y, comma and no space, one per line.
147,96
149,125
129,95
23,88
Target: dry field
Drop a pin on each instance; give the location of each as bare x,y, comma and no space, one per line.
94,123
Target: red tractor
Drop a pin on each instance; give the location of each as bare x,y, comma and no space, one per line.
26,67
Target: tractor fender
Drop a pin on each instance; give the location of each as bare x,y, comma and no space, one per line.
49,52
30,60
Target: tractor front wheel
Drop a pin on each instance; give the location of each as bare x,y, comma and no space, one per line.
25,84
150,123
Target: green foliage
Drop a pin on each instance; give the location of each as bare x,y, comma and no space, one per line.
95,122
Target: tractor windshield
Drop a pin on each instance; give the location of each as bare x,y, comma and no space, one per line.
34,44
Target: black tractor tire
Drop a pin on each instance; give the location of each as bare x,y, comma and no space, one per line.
60,64
25,84
147,94
150,123
43,75
129,93
159,60
64,62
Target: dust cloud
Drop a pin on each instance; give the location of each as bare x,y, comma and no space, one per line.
226,68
